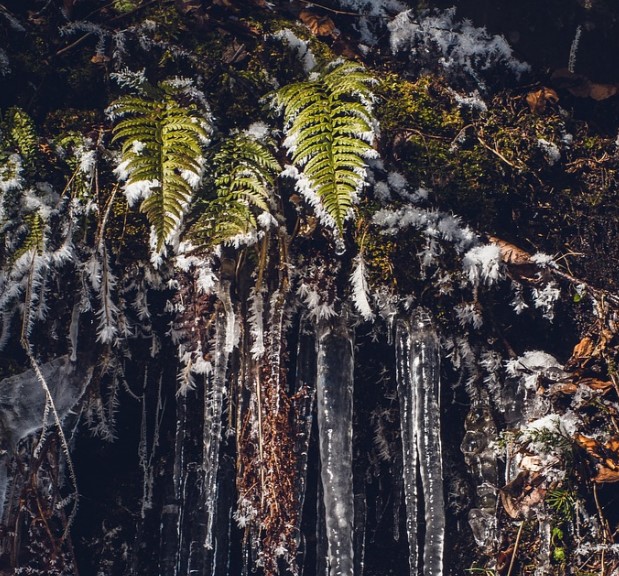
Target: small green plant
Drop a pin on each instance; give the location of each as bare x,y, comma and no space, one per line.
562,502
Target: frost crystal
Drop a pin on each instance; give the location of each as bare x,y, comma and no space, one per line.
544,260
551,151
458,48
545,298
360,288
482,264
299,46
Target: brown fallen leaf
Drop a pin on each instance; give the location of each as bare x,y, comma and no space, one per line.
581,87
604,475
522,493
100,59
567,388
538,100
518,261
234,52
583,350
510,253
596,384
589,444
319,25
605,456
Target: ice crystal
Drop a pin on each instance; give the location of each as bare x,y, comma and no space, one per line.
482,264
545,298
359,283
301,47
551,151
457,47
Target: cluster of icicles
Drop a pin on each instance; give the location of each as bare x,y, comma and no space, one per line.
330,364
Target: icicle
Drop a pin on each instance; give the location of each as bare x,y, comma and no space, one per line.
213,409
359,533
418,373
303,402
481,461
74,330
334,406
408,410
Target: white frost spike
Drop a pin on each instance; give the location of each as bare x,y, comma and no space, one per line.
334,409
418,374
483,264
360,288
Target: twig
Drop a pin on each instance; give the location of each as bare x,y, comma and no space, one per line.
424,135
604,523
85,36
63,440
332,10
496,152
513,559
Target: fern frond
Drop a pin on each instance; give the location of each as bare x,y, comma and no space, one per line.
161,149
329,129
244,171
23,135
34,240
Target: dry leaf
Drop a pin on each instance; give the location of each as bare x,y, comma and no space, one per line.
319,25
519,265
537,100
584,349
606,457
597,384
581,86
522,493
589,444
100,59
234,52
606,475
602,91
567,388
511,254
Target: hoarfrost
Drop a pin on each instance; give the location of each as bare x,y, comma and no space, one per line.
483,264
301,47
551,151
360,289
438,39
545,298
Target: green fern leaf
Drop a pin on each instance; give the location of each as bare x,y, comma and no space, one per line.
243,174
35,235
23,135
161,148
329,128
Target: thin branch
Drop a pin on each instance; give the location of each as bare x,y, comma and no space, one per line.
496,152
513,559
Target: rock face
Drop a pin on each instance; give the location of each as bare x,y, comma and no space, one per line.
348,278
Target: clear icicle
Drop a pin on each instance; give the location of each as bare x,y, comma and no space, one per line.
418,373
408,399
359,533
334,409
213,409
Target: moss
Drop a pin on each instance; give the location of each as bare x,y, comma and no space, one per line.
425,105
